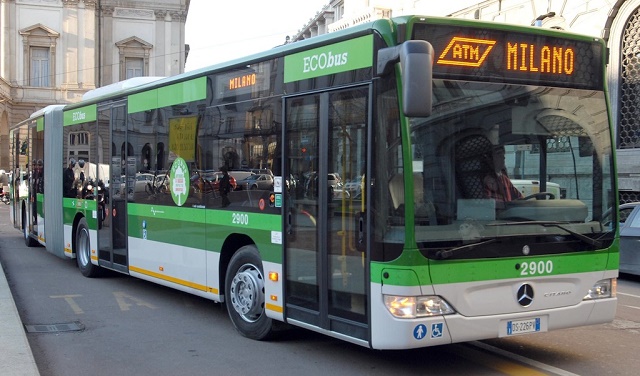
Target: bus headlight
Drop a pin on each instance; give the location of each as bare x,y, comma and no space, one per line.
605,288
409,307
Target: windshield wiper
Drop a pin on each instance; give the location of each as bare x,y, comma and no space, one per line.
594,242
447,253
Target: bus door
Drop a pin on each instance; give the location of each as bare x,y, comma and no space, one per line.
112,207
326,265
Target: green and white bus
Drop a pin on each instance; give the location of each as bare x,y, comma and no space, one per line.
412,109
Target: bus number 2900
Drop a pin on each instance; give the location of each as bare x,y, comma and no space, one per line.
536,267
240,219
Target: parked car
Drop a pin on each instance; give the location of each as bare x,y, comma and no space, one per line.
630,238
257,181
354,186
334,184
141,181
334,181
209,181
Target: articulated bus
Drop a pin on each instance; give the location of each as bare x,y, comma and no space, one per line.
410,114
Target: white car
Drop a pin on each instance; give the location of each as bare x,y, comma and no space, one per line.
354,186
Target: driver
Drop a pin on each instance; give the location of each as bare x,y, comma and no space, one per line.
496,183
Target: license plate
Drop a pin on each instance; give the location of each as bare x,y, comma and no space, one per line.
523,326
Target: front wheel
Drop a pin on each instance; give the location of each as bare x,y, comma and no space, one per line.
83,251
245,296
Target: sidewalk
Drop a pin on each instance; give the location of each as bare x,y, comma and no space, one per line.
16,358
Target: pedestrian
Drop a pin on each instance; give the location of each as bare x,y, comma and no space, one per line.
68,189
225,186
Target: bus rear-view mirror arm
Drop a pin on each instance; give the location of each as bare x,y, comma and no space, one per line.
416,62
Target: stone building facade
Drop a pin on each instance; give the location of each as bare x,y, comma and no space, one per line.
53,51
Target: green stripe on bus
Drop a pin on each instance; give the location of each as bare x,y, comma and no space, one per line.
71,207
80,115
459,271
182,92
78,204
201,228
40,204
40,124
335,58
255,221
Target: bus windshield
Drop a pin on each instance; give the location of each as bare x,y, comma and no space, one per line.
510,163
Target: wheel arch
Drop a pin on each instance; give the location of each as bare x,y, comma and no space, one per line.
231,245
74,230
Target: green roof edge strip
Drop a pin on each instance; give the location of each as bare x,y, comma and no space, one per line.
182,92
146,100
81,115
330,59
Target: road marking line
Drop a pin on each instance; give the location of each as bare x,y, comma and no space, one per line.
72,303
630,306
631,295
496,362
522,359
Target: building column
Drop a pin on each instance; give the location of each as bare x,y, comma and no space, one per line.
8,42
107,47
70,55
88,35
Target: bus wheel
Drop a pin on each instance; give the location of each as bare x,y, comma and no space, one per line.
245,298
28,240
83,251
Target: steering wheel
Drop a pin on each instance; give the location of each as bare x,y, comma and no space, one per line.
540,196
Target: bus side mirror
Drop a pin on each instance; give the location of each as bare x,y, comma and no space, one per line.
416,63
416,60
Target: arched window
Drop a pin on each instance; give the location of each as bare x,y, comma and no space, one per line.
146,157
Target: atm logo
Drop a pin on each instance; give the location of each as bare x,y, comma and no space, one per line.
466,52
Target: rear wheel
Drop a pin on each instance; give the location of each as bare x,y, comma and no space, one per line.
28,240
245,297
83,251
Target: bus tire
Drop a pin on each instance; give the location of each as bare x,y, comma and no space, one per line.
245,295
28,240
83,251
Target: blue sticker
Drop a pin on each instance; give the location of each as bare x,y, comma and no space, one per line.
420,332
436,330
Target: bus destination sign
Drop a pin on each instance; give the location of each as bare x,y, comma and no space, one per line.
513,57
237,84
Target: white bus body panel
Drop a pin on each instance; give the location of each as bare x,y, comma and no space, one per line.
479,300
175,266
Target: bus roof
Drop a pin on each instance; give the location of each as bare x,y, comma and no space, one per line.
118,86
44,110
388,29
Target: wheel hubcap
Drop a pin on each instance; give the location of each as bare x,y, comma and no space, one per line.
247,293
83,247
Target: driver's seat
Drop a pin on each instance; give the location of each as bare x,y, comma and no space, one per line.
472,164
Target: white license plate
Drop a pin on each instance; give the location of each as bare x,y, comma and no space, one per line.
523,326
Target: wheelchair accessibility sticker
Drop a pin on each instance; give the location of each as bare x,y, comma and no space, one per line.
420,331
436,330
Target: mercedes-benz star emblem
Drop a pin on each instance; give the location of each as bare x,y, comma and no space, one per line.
525,295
